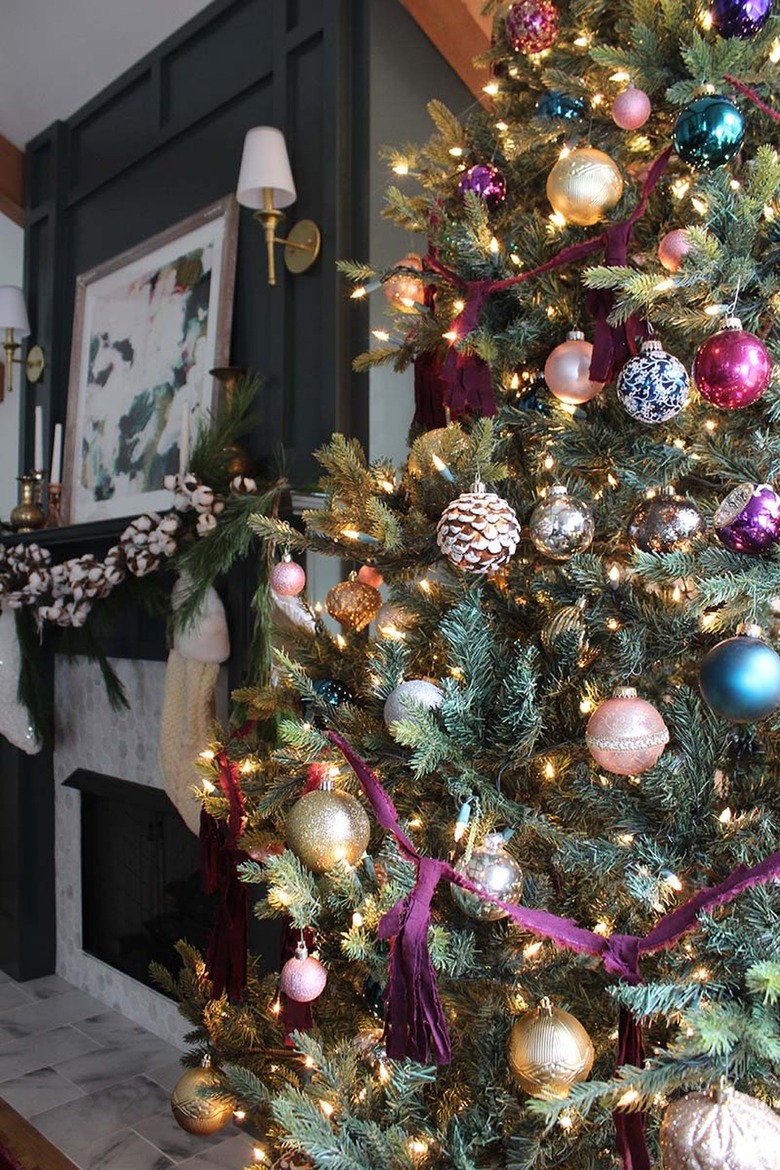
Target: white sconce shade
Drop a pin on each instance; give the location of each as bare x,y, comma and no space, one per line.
13,311
265,165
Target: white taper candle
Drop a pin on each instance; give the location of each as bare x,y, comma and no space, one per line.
184,441
38,447
56,455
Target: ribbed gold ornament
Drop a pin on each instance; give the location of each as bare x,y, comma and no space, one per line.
720,1130
549,1051
353,604
325,827
194,1113
583,185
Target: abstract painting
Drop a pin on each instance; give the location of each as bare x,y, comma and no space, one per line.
148,327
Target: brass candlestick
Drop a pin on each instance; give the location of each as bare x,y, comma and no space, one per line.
240,462
28,515
39,479
54,517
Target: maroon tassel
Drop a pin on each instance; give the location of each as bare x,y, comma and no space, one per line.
226,954
429,410
630,1127
613,345
211,840
468,387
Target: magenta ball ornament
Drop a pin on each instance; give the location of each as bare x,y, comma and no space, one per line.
672,248
748,520
631,109
302,978
287,578
732,368
532,25
487,182
567,370
625,734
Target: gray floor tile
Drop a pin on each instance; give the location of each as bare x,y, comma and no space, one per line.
46,987
163,1131
166,1074
12,996
234,1154
111,1030
77,1127
41,1015
117,1062
124,1150
38,1091
41,1050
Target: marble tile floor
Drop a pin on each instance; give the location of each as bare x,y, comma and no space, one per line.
98,1086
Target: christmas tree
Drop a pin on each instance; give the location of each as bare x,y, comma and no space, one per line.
530,812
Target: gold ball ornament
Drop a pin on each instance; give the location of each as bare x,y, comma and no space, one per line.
403,290
326,827
195,1113
720,1130
353,604
584,185
478,532
549,1051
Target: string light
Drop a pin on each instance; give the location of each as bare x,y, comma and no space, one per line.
586,706
491,89
680,188
326,1107
673,881
247,768
495,247
259,1154
208,786
621,75
401,168
207,754
357,293
459,306
442,468
566,1121
515,259
628,1098
774,51
725,816
239,1114
276,1007
341,641
532,950
597,99
582,41
501,126
626,838
381,334
564,152
514,382
699,205
549,463
549,770
664,285
456,151
424,585
705,20
614,575
450,335
558,220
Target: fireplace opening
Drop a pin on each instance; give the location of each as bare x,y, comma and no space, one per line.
140,876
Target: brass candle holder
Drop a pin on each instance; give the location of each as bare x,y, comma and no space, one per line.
39,479
54,516
240,462
28,515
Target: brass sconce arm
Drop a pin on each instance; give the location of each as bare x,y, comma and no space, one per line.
301,246
34,364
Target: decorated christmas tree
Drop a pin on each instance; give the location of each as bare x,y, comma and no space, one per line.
518,817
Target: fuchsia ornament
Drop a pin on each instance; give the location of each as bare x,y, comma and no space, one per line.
567,370
631,108
732,368
672,248
487,182
532,25
302,978
748,520
287,578
626,735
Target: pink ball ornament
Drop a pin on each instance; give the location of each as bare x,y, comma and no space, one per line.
302,977
631,109
287,578
626,735
370,576
732,368
672,248
567,370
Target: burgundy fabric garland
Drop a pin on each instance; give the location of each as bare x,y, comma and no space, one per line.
414,1017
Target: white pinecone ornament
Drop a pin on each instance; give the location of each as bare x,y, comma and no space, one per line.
478,532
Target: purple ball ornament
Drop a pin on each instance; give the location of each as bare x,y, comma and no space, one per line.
739,18
748,520
532,25
732,368
486,181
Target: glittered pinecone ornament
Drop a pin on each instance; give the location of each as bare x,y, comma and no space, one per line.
493,869
720,1130
326,827
626,735
419,692
287,578
353,604
302,978
653,386
583,185
549,1051
197,1114
478,532
665,523
561,525
740,677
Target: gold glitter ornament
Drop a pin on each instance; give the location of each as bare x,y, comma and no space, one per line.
198,1114
478,532
326,827
720,1130
583,185
549,1051
353,604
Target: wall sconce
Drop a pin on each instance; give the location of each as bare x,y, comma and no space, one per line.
13,319
265,182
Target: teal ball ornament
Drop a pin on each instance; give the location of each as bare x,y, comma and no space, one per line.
740,679
708,132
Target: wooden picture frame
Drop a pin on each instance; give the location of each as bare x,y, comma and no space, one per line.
148,326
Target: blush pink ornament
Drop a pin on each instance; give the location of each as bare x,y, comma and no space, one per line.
732,368
370,576
626,735
287,578
672,248
302,977
631,108
567,370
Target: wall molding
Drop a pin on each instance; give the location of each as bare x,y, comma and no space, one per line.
11,181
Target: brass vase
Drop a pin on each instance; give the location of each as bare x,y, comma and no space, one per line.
27,516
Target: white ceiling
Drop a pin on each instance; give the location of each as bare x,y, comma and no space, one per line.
57,54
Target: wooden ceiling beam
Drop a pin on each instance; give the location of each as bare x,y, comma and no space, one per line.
11,181
459,31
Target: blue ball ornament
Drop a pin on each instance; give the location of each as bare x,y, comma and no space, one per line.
560,105
739,18
653,386
708,132
740,679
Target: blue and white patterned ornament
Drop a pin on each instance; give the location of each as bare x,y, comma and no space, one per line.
653,386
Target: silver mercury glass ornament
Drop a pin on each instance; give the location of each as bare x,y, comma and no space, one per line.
561,525
665,523
493,868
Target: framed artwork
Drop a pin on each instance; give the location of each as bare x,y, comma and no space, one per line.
148,326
